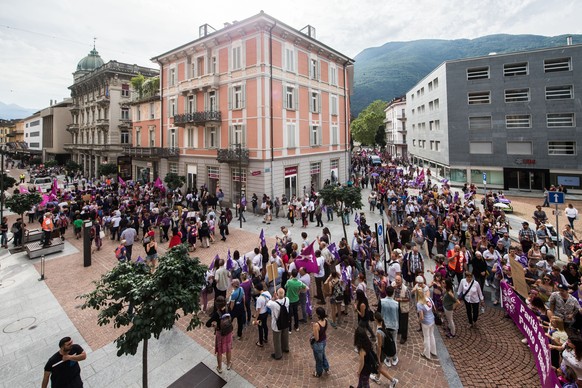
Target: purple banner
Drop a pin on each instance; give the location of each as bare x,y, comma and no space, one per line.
527,322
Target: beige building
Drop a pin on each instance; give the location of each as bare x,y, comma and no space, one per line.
55,120
101,115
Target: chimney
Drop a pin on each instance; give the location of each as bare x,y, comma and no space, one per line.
569,40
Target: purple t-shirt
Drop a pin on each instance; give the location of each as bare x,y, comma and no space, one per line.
246,286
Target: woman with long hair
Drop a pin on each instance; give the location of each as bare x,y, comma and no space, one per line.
381,335
362,308
450,303
571,355
222,339
319,341
424,307
337,294
368,362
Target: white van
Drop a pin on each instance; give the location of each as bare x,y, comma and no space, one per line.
45,183
375,160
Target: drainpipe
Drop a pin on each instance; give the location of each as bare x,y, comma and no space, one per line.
271,104
161,109
348,153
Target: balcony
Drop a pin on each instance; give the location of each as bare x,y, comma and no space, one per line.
102,123
209,81
102,100
74,109
401,117
73,128
151,152
124,124
197,118
233,156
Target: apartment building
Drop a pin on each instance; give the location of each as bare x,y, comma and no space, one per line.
395,126
101,116
508,118
33,134
256,107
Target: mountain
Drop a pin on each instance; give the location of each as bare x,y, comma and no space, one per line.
390,70
14,111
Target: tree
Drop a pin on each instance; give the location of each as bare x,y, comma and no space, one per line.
365,126
21,203
340,198
173,180
50,163
380,138
107,169
8,181
73,167
156,298
137,84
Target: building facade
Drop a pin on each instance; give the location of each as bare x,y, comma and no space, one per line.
33,134
55,120
508,118
395,126
100,111
256,107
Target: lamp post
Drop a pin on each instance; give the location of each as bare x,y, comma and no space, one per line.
2,184
240,181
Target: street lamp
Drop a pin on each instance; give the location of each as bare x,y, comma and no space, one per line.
240,181
2,183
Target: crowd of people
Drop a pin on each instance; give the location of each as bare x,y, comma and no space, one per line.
468,241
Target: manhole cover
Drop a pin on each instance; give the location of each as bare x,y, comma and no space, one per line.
18,325
7,283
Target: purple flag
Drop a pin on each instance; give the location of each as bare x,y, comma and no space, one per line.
307,259
159,185
308,307
456,197
139,260
357,218
333,249
229,263
245,267
121,181
277,250
345,276
527,322
489,235
262,237
211,267
54,188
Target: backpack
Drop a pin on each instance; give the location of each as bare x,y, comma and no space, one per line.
283,318
370,363
267,298
225,324
388,345
118,252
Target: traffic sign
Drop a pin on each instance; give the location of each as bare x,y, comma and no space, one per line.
380,230
556,197
484,178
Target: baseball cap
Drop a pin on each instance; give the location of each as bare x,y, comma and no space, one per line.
419,279
562,287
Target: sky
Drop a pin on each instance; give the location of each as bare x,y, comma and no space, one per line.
42,41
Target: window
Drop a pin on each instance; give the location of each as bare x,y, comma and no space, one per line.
422,91
314,69
290,98
213,65
481,147
191,104
431,125
290,138
237,97
414,142
138,136
517,95
513,69
436,104
334,135
237,135
432,145
562,148
519,148
125,113
152,141
479,123
437,125
314,102
430,106
173,168
190,137
200,66
478,73
211,137
518,121
172,107
476,98
124,90
435,83
125,138
172,76
558,64
137,111
430,86
560,119
289,59
315,135
173,138
236,58
211,104
332,75
334,104
437,145
559,92
152,111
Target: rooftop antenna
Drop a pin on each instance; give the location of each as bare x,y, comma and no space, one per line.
94,39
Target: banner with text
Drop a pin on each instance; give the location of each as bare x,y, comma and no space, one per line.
527,322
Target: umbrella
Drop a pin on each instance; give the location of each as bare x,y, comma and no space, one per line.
503,206
375,174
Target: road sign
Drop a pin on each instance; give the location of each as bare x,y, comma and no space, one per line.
556,197
484,178
380,230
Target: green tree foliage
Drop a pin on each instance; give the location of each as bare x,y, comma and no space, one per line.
137,84
7,181
73,167
21,203
107,169
342,198
51,163
173,180
159,299
365,126
145,87
380,138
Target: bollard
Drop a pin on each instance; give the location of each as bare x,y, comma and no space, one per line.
41,269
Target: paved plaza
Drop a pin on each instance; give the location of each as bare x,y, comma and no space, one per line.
35,314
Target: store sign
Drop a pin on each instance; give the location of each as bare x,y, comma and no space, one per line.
528,162
290,171
255,173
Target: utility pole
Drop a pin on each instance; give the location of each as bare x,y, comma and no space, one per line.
240,181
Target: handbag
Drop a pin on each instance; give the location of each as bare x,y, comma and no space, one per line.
101,234
437,318
468,289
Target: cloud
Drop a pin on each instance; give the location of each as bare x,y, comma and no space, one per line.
42,42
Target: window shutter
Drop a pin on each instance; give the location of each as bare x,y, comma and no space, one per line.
231,135
230,57
243,55
318,70
296,97
318,102
243,96
230,99
319,137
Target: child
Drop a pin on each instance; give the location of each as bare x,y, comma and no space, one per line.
78,224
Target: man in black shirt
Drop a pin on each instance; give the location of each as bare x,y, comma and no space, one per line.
63,367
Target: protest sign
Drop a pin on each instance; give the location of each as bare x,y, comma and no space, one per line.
518,275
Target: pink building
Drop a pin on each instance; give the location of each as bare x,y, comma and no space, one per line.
256,107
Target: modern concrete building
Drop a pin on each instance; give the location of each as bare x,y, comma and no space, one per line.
256,107
511,118
101,119
33,134
55,120
395,124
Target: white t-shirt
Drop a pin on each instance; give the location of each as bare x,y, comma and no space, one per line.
320,265
258,261
571,212
305,279
262,300
393,270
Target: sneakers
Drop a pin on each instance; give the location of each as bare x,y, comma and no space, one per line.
387,363
487,282
375,378
394,382
395,361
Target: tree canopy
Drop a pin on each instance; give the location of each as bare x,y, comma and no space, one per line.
173,180
340,198
380,139
107,169
365,126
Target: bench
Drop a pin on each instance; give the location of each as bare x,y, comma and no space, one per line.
31,235
36,249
